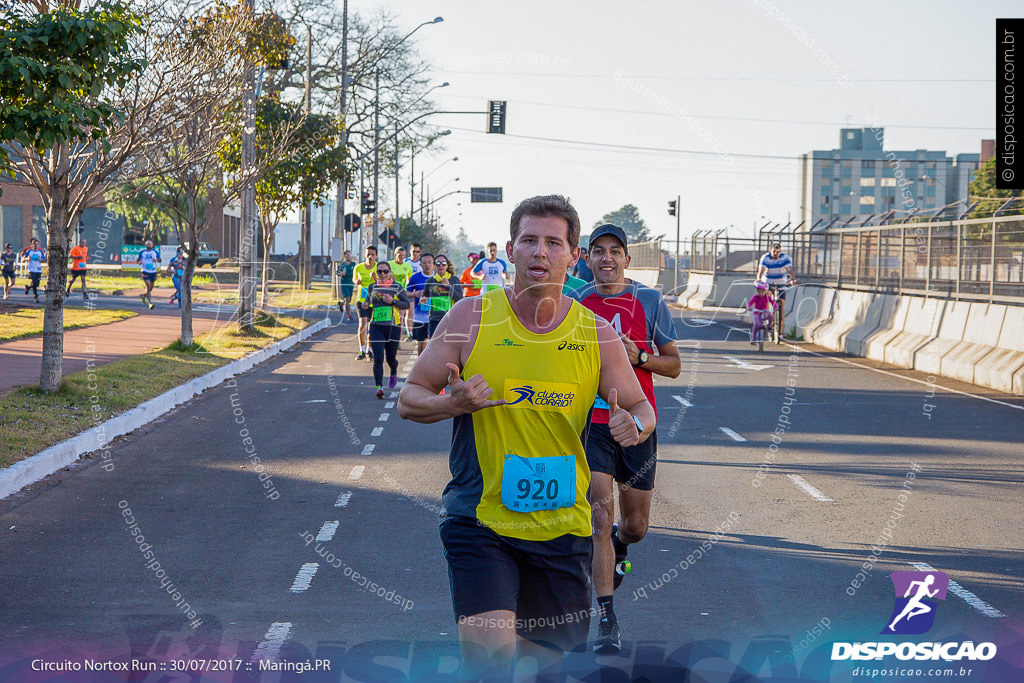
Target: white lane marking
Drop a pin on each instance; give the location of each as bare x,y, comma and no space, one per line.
343,498
368,449
270,648
383,417
389,405
731,434
317,400
394,394
303,578
808,489
740,363
377,431
356,472
683,401
327,531
961,592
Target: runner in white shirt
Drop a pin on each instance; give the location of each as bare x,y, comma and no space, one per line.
493,270
149,262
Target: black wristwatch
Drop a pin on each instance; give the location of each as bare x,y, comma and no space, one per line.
642,358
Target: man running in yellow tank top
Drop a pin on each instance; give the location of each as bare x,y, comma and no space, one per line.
523,365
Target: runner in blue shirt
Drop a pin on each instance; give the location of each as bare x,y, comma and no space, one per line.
8,258
493,269
149,261
176,266
420,305
36,258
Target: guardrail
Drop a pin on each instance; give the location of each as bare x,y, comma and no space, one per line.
980,259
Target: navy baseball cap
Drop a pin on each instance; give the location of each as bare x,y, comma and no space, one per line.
609,229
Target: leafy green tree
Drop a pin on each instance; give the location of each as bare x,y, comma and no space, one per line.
61,72
983,190
628,218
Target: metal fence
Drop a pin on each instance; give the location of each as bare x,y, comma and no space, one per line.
978,259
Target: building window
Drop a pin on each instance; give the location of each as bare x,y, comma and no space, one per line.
867,199
867,182
888,182
867,164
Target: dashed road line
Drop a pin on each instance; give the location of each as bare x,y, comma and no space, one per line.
356,472
304,577
327,531
383,417
389,405
808,489
731,434
368,449
270,648
394,394
343,498
683,401
377,431
961,592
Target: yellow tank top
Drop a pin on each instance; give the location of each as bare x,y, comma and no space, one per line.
549,381
363,277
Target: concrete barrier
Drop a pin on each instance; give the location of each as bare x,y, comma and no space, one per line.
951,332
849,308
889,327
826,311
704,284
984,325
803,305
1003,369
921,327
878,314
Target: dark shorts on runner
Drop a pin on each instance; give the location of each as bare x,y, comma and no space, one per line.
80,272
346,290
420,331
545,583
8,273
149,277
363,312
633,466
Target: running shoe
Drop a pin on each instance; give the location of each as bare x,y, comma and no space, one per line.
37,298
143,297
380,392
393,381
26,289
607,642
151,305
408,336
361,355
85,296
622,565
170,301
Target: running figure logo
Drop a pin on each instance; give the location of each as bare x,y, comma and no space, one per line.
525,394
917,594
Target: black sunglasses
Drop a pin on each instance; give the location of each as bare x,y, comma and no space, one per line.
382,271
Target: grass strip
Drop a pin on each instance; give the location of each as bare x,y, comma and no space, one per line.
34,420
28,322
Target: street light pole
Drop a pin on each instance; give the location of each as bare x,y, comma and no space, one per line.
306,238
247,228
376,162
679,211
398,214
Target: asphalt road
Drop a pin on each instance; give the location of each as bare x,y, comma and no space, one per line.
777,578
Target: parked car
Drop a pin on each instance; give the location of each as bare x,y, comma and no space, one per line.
207,256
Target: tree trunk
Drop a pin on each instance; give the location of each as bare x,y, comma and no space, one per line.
186,277
52,367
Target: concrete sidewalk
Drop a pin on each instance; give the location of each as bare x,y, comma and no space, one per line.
21,359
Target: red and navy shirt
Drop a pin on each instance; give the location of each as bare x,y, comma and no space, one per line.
640,313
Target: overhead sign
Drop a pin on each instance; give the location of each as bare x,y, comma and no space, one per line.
485,195
496,116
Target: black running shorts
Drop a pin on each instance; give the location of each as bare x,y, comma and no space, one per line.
633,466
419,331
545,583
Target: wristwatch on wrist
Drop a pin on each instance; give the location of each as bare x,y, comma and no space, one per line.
639,424
642,358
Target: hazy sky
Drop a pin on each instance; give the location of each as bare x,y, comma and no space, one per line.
723,94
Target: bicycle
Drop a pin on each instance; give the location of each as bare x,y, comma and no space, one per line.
776,331
763,331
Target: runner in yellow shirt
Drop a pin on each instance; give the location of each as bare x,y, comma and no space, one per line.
363,276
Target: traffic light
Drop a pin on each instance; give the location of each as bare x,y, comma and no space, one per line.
672,208
369,205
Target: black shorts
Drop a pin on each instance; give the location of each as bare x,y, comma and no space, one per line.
385,332
149,277
9,273
633,466
545,583
419,331
434,322
80,272
363,312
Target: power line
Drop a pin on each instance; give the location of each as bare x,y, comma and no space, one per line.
724,118
758,79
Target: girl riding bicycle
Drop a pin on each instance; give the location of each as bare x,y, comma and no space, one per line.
762,308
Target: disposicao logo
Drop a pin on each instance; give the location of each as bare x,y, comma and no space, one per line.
917,594
916,600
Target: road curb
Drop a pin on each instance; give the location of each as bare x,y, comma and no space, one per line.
29,471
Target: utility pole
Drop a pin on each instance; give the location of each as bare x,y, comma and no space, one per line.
339,216
412,179
679,211
398,214
306,239
376,163
247,227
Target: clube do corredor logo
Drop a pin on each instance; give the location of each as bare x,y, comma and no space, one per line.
916,599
